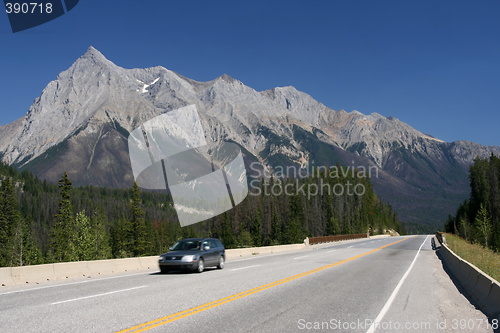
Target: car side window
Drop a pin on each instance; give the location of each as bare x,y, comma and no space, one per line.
218,242
213,244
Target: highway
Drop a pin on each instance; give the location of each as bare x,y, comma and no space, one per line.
394,284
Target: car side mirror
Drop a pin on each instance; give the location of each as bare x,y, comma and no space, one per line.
170,248
206,248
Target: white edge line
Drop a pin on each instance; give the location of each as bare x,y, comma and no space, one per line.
98,295
236,269
264,255
301,257
72,283
388,304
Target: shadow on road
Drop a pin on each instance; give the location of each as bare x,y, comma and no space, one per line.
181,272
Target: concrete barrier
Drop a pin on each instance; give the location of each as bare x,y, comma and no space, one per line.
6,276
468,273
63,270
40,273
492,302
33,274
124,265
149,262
482,288
97,267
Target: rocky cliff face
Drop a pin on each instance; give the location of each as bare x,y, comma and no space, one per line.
80,124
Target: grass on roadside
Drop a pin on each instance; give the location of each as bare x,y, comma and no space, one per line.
483,258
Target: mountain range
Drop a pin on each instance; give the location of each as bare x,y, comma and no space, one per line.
81,122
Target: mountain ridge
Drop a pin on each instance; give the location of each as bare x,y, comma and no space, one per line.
81,121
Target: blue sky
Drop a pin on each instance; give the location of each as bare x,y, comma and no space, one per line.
432,64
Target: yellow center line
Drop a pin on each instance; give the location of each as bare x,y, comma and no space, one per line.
182,314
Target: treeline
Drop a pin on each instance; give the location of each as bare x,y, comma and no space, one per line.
43,223
477,219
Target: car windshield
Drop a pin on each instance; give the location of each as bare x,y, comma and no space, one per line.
187,245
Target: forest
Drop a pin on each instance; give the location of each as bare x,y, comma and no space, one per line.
477,218
42,222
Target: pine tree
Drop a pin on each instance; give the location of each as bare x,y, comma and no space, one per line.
227,234
10,220
63,233
483,225
295,228
121,238
275,227
256,229
138,222
244,238
333,227
16,245
32,255
84,237
101,246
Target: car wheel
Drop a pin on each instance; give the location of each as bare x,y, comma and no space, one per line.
222,262
163,270
201,266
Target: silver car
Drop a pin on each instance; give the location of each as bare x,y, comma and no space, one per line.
193,254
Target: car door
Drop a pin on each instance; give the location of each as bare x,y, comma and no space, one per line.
209,255
216,249
220,247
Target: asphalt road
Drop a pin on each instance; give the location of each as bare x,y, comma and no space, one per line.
397,282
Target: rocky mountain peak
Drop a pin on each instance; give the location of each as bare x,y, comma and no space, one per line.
81,122
227,78
94,55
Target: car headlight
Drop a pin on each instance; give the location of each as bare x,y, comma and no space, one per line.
188,258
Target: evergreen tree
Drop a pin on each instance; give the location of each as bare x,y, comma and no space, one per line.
333,227
244,239
294,230
123,222
138,223
84,237
32,255
101,246
10,220
483,225
121,238
478,219
227,234
275,227
256,229
63,233
25,250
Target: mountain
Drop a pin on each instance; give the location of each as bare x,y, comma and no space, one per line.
81,122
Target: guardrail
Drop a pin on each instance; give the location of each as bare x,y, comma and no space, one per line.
482,288
440,237
336,238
